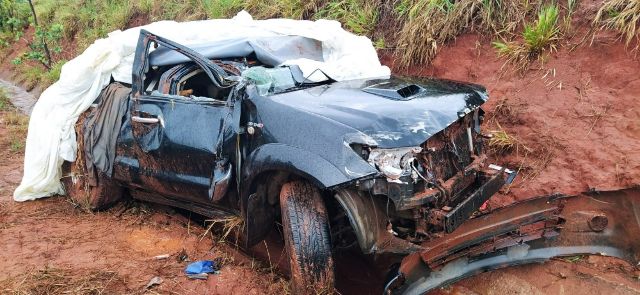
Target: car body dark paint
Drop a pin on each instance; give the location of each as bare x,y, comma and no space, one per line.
324,120
310,132
306,132
391,123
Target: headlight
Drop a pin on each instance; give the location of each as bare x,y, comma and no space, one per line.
393,163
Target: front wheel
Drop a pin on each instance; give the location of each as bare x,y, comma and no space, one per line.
307,238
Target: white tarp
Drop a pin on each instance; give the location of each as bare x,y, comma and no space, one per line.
51,138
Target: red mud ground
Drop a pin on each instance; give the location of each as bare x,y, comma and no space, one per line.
576,121
575,117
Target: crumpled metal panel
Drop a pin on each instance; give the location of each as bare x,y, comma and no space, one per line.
534,230
391,123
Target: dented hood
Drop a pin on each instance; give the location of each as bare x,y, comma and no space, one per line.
396,111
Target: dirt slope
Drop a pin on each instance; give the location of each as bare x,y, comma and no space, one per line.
575,117
574,120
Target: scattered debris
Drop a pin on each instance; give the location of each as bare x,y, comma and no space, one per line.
163,256
198,276
153,282
200,269
183,257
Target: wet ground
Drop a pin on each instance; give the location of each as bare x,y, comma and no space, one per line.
120,244
574,120
22,100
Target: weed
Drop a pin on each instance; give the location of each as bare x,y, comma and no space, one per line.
514,53
51,280
221,8
566,20
537,37
572,259
501,143
294,9
31,76
4,100
17,125
359,17
544,33
380,44
228,225
431,23
621,15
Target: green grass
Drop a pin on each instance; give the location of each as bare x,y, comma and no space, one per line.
539,36
419,30
429,24
543,34
359,17
4,100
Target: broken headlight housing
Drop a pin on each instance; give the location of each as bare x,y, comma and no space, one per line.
394,163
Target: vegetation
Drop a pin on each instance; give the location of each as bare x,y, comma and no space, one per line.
48,280
359,16
4,100
539,36
501,143
17,17
432,23
544,32
414,29
16,124
621,15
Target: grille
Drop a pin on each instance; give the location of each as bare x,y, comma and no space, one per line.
447,153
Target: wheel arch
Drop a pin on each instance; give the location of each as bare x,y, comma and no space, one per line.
266,170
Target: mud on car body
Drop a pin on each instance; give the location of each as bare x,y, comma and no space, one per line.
384,163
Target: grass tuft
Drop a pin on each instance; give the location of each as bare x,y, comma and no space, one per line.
621,15
514,53
538,37
51,280
431,23
228,225
294,9
501,143
17,125
4,100
544,32
359,17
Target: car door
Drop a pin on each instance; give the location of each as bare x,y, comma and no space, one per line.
178,137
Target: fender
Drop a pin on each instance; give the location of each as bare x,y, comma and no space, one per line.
280,157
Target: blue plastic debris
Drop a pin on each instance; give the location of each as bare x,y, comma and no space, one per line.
202,266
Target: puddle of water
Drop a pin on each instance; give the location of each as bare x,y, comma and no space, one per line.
21,99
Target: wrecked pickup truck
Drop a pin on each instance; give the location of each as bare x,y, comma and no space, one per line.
391,164
386,163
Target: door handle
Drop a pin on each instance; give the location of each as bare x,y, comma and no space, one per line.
159,119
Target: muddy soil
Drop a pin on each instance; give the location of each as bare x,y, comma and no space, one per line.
574,122
52,234
573,119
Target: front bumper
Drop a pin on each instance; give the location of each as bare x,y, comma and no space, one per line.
534,230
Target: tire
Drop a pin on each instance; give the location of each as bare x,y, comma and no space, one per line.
307,239
74,178
94,198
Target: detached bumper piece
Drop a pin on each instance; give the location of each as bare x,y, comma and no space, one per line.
533,230
468,206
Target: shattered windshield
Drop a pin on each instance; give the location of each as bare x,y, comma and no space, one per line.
270,80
